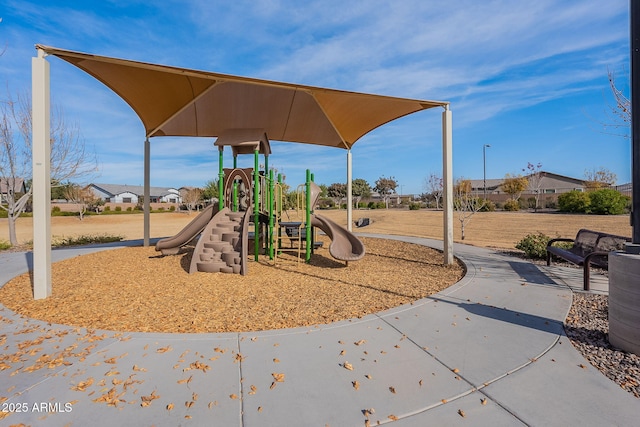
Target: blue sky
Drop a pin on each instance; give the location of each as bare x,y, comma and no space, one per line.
528,78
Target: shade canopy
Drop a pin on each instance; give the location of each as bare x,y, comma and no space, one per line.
173,101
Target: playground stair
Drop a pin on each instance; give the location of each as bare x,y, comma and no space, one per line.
222,245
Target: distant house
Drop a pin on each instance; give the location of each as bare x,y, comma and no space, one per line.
117,193
6,184
550,183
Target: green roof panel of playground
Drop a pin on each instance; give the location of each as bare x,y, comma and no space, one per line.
172,101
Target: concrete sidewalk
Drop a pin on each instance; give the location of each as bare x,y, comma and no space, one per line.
489,350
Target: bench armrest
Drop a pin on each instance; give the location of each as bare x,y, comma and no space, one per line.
593,254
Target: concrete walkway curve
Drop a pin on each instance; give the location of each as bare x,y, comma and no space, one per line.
490,350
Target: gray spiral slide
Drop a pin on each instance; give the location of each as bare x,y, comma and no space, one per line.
171,245
345,246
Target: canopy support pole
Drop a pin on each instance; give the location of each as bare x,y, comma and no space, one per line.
41,163
447,170
349,191
147,190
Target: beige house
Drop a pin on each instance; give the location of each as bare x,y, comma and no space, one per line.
549,187
18,187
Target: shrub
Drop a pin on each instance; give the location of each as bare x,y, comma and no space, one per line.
574,201
55,210
414,206
129,209
534,245
86,240
172,208
511,205
107,209
488,206
118,208
4,245
550,203
607,201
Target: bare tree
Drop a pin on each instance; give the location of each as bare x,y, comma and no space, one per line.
83,197
465,203
191,197
621,111
69,158
601,178
534,178
434,186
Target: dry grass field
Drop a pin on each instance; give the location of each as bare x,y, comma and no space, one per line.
488,229
163,297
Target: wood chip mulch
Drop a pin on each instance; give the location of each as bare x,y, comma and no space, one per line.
137,289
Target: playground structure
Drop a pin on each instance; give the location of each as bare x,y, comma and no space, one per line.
251,199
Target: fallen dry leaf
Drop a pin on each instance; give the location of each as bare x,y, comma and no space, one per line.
348,366
150,398
461,413
82,385
355,384
185,380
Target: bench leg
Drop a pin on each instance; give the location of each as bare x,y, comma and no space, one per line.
548,258
586,275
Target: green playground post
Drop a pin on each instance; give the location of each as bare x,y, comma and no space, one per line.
271,213
265,201
308,216
235,186
221,177
256,201
281,196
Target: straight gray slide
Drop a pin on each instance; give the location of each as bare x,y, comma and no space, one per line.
171,245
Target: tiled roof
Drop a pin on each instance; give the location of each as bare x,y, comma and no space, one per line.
138,190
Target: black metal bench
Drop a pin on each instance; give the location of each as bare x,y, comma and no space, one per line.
589,248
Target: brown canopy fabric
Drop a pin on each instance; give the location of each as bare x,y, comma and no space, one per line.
173,101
